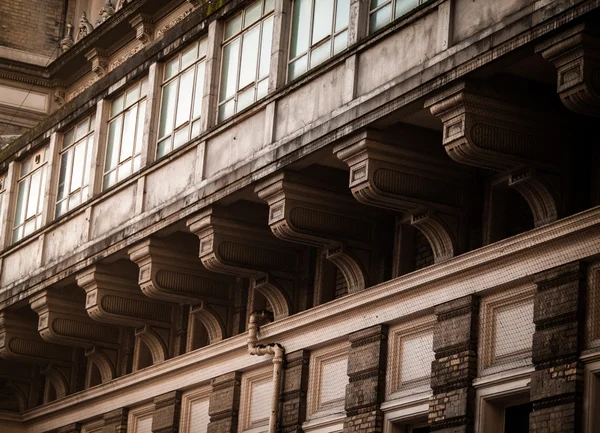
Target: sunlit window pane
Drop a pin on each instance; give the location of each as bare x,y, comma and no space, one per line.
342,14
230,67
265,49
253,13
184,104
300,27
249,57
114,141
323,17
404,6
167,115
199,88
30,197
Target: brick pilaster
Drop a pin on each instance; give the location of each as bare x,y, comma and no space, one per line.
224,403
115,421
451,408
367,362
293,397
557,383
167,410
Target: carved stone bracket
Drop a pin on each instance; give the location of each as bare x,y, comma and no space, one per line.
309,215
115,299
144,28
20,341
174,276
239,248
429,191
576,55
99,61
482,130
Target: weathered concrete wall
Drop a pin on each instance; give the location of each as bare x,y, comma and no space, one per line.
112,212
170,180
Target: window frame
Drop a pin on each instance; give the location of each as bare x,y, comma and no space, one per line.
393,13
308,53
87,168
40,166
138,135
225,42
189,123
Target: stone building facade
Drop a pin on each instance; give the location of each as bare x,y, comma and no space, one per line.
299,216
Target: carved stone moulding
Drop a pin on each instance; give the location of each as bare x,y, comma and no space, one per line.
231,246
307,214
99,61
175,276
214,326
116,299
20,341
144,28
63,320
576,55
482,129
428,191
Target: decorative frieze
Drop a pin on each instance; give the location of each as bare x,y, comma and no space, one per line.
429,192
307,214
169,274
231,246
576,55
482,129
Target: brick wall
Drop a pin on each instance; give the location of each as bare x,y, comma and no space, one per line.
31,25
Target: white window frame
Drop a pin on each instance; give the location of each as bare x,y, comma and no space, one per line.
312,47
246,425
393,16
39,162
258,79
188,399
84,189
405,410
194,123
138,134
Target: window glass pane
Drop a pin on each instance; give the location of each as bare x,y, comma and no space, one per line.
26,166
128,134
233,26
226,110
34,192
230,66
114,142
21,200
196,128
323,17
116,106
65,169
253,13
132,96
78,166
340,42
163,148
88,163
320,54
144,87
109,180
245,99
301,28
342,14
381,18
265,49
202,48
249,57
269,6
199,89
181,137
137,163
82,129
124,170
405,6
377,3
298,67
172,68
29,228
189,56
263,88
168,109
184,105
139,135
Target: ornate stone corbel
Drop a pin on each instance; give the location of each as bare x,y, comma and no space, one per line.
116,299
175,276
576,55
483,130
20,341
84,28
309,215
144,28
236,247
428,190
60,96
99,62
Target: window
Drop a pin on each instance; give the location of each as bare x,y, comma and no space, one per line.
30,195
246,58
125,133
75,164
182,98
384,12
319,31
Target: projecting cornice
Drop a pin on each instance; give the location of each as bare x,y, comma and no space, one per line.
233,247
576,55
309,215
174,276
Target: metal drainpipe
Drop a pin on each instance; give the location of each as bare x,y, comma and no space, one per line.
274,349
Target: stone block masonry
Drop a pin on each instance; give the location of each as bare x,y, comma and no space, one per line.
224,404
293,396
